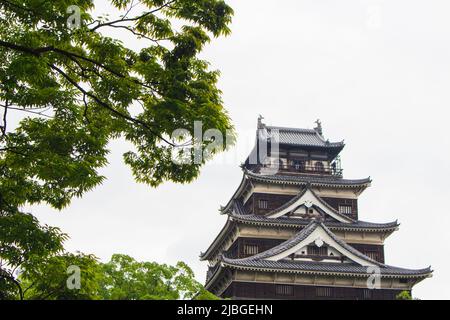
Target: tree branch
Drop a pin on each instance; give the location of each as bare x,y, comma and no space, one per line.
85,113
39,51
108,107
5,113
25,110
138,34
71,55
124,19
4,274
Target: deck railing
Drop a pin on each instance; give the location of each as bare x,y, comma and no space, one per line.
310,169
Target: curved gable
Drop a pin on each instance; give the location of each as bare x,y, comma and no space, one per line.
309,199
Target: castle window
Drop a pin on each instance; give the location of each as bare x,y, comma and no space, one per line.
250,249
284,290
345,209
316,251
319,167
324,292
299,165
282,163
373,255
367,294
263,204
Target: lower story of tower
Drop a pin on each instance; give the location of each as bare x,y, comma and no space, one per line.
272,291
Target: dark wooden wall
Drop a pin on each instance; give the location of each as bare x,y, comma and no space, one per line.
244,290
237,249
336,202
376,252
274,202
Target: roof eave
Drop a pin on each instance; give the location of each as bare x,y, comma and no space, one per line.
424,275
207,254
277,223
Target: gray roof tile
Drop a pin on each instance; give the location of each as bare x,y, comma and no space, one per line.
299,137
308,266
259,260
305,180
303,222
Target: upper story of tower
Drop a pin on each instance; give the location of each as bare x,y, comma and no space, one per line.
294,151
285,161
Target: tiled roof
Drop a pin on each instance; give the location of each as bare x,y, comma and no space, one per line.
357,225
302,235
300,137
238,214
211,271
308,179
299,237
259,261
310,266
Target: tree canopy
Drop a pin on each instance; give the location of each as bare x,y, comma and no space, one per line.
74,88
122,278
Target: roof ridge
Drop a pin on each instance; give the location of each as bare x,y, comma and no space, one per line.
348,247
306,130
303,234
288,203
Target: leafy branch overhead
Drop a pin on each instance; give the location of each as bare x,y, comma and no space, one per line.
78,88
68,89
122,278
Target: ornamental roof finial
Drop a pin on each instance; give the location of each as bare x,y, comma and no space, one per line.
319,127
261,125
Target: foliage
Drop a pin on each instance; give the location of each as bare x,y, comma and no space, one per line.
204,294
48,279
122,278
404,295
127,279
76,89
23,244
91,86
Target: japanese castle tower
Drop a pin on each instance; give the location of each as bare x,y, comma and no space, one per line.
293,228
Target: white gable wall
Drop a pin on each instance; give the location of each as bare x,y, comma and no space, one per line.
320,233
309,199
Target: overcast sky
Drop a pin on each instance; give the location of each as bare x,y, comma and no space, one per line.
377,73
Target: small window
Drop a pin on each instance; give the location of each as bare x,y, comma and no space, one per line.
284,290
345,209
250,249
299,165
367,294
319,167
316,251
373,255
324,292
404,281
263,204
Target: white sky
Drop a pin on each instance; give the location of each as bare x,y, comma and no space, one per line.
376,72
